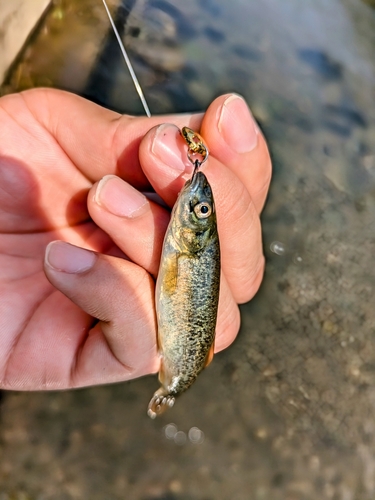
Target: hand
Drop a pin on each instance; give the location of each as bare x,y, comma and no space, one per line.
54,149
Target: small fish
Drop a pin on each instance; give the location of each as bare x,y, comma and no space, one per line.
187,292
187,288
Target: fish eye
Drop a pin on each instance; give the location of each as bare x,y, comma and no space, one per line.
203,210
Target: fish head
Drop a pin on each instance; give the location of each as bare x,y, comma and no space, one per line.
195,213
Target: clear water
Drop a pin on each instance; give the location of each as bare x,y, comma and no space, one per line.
288,411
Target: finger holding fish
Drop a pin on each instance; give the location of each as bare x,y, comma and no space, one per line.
234,137
122,345
135,223
239,231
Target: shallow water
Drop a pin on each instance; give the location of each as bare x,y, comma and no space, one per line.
288,411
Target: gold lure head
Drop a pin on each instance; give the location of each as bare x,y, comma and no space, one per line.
196,145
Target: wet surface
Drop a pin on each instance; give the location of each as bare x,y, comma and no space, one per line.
288,411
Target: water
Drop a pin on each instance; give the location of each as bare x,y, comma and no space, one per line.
288,410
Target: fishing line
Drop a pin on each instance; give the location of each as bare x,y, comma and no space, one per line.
128,63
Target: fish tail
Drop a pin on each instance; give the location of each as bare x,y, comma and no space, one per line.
160,402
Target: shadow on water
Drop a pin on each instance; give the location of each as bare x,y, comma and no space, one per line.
287,411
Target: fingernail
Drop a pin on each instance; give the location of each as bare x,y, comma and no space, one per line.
120,198
168,147
68,258
237,125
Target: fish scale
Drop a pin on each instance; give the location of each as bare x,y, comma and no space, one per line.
191,312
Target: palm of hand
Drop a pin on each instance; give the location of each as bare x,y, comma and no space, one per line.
42,198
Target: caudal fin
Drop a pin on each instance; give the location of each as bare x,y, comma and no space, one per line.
160,402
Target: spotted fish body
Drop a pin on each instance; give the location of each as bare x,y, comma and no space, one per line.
187,292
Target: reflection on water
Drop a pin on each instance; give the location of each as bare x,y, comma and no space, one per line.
288,411
195,435
277,247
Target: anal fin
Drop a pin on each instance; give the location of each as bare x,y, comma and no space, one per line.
165,377
210,355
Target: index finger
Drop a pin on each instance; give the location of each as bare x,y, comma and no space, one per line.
97,140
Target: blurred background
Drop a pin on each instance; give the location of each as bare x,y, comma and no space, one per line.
288,411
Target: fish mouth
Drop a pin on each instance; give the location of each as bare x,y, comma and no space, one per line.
198,181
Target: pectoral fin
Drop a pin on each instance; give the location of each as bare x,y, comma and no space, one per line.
170,273
210,355
164,376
